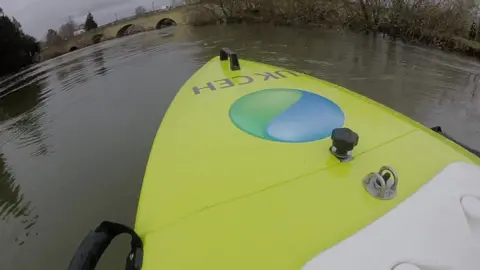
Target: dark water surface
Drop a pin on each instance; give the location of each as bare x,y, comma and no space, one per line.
76,131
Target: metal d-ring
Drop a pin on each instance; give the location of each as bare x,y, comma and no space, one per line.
381,185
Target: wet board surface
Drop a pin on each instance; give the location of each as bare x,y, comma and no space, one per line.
240,175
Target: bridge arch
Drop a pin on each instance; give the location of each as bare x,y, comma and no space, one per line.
97,38
165,22
121,31
73,48
130,29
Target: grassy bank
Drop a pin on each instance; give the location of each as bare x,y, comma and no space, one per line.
446,24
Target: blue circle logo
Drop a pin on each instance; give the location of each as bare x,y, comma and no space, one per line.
286,115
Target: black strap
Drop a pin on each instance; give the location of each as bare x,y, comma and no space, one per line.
94,245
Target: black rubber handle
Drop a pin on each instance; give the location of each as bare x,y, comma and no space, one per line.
96,242
90,250
225,54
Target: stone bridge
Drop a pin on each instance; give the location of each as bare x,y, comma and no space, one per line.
149,21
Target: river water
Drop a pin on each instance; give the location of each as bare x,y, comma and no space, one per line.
76,131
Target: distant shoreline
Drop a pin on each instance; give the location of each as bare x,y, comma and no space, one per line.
424,25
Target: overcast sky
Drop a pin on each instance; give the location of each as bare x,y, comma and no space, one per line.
37,16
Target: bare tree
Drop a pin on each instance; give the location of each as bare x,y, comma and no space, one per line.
52,37
68,29
140,10
1,12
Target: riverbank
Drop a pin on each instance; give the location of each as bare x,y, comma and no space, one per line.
444,24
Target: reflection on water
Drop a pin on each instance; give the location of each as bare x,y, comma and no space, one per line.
11,200
18,102
76,131
97,57
13,205
72,73
20,96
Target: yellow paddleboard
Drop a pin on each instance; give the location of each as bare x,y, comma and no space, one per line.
241,173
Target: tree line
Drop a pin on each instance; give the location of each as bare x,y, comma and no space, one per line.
425,21
68,30
17,49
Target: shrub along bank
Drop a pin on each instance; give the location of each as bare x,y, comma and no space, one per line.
446,24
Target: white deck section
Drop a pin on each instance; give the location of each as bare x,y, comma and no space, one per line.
437,228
